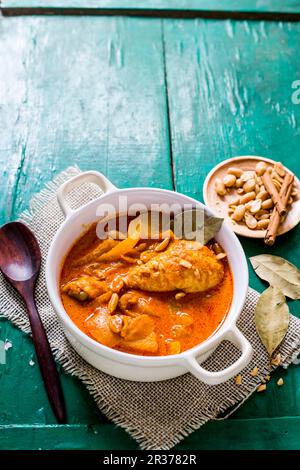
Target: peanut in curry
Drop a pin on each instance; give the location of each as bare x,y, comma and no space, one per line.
146,297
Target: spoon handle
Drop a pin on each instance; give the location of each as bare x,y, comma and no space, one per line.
46,362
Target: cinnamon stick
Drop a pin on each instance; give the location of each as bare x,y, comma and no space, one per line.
270,187
275,219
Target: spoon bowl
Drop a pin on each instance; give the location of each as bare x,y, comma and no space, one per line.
20,262
20,255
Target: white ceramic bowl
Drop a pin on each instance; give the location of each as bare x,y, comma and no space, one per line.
132,366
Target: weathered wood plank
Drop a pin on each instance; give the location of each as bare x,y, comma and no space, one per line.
248,434
293,6
102,105
233,103
74,91
12,97
28,403
229,88
47,125
67,437
266,434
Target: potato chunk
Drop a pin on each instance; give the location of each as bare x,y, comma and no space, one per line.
98,327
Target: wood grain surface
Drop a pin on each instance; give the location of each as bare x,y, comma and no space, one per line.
148,102
293,6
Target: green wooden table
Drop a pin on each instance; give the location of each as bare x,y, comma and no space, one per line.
149,102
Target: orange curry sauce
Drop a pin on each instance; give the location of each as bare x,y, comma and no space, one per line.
208,309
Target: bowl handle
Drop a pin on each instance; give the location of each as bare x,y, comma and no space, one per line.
87,177
213,378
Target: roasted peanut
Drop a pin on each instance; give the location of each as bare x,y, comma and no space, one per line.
104,298
185,264
255,206
237,172
276,184
262,195
248,175
263,224
180,295
238,379
249,185
267,204
278,167
221,256
254,371
162,245
115,323
276,361
113,303
247,197
239,213
251,221
294,192
220,187
260,168
262,215
117,284
250,202
276,177
239,183
235,201
229,181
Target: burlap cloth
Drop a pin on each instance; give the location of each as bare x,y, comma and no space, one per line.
158,415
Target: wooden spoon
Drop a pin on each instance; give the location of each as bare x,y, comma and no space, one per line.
20,261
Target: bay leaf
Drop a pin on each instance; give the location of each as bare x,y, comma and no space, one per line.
196,224
272,318
211,227
279,273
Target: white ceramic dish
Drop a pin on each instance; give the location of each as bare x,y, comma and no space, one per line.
131,366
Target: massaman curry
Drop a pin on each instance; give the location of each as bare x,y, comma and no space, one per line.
147,297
